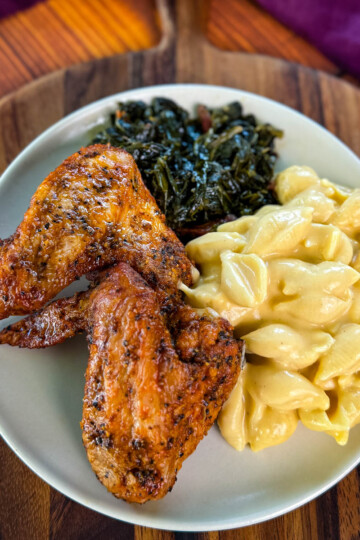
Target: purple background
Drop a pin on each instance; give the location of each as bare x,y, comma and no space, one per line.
333,26
7,7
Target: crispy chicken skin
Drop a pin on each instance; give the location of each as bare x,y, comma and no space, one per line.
155,382
92,211
60,320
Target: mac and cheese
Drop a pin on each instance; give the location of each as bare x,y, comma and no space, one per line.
287,278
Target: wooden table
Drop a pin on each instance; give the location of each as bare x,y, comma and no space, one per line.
55,34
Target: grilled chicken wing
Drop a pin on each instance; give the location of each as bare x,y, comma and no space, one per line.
155,382
92,211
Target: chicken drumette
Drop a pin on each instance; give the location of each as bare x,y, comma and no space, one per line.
157,377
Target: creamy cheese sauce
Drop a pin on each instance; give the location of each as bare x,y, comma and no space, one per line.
287,278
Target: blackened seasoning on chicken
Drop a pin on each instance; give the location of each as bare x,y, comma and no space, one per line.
200,170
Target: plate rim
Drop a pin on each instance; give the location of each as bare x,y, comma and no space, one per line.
163,523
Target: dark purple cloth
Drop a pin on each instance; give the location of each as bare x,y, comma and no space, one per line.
333,26
8,7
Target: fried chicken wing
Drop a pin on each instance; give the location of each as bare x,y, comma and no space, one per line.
155,383
92,211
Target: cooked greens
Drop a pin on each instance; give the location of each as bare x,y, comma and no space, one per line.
199,169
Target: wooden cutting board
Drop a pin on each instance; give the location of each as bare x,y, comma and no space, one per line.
28,507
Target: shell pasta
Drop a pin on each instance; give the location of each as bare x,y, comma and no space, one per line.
288,280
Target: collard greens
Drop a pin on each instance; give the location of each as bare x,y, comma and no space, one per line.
200,169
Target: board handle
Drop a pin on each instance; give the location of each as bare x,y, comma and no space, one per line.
183,22
183,46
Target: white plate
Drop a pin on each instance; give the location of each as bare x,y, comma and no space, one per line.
41,391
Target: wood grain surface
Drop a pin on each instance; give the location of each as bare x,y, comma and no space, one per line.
58,33
29,508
